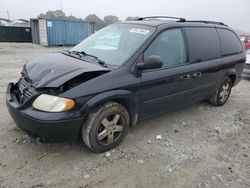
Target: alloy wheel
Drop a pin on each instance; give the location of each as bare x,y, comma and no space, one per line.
110,129
224,92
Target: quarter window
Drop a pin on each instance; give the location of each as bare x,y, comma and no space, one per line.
203,44
169,45
230,44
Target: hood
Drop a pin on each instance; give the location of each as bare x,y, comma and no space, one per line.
52,70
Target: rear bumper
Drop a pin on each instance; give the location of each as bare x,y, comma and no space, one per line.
49,127
246,71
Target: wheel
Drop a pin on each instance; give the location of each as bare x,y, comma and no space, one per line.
222,94
105,127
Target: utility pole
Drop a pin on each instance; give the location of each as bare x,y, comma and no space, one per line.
61,5
8,15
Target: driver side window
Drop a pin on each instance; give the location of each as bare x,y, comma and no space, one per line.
169,45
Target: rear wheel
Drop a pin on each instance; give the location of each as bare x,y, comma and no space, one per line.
105,127
222,94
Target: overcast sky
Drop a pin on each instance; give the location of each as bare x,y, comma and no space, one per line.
235,13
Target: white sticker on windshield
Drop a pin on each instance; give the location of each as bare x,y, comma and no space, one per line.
139,31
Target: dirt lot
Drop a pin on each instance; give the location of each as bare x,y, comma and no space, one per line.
201,145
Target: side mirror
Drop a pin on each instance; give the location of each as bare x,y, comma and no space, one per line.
152,62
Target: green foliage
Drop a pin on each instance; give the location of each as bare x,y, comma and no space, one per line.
98,22
57,14
110,19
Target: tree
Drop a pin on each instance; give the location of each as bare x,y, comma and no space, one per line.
98,22
53,14
57,14
131,18
42,15
110,19
71,17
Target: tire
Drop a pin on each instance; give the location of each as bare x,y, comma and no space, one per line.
222,94
105,127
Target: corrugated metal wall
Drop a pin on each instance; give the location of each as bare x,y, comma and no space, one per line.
67,32
15,34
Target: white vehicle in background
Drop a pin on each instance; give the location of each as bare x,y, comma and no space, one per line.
248,56
246,71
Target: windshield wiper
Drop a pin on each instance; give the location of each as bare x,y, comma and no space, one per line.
82,53
72,53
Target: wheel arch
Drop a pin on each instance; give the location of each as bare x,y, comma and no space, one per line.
231,73
233,78
123,97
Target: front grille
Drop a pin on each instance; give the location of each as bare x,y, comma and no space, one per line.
25,90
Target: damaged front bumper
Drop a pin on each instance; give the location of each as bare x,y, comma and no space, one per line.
51,127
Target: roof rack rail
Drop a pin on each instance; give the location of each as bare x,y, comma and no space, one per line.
169,17
182,20
206,22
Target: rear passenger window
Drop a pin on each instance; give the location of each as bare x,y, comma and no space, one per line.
203,44
230,44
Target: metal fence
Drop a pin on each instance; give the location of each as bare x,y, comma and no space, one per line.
15,34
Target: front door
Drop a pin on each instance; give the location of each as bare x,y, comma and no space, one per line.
177,83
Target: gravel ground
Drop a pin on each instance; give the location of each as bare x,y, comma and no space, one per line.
198,146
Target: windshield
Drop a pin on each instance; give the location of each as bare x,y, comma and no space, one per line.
115,43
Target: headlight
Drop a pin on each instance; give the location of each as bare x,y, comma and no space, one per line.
51,103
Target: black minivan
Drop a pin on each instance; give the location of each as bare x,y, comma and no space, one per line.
122,74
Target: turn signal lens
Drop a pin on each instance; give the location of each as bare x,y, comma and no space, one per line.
68,104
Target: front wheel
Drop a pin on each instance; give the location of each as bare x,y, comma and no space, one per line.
222,94
105,127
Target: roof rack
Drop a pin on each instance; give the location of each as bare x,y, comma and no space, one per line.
183,20
169,17
206,22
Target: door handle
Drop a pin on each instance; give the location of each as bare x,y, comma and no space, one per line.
185,77
197,74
